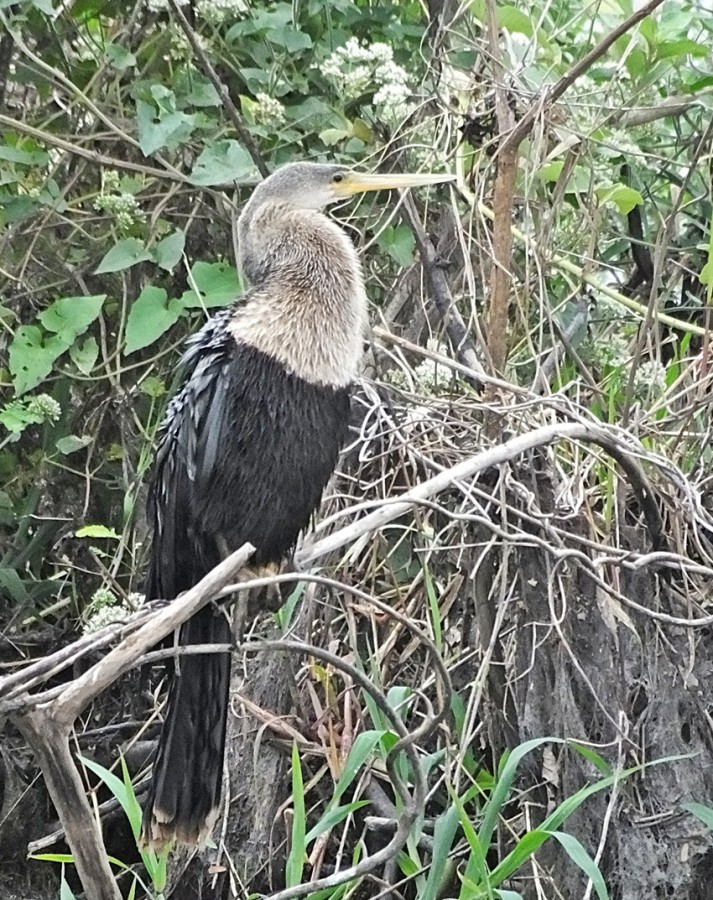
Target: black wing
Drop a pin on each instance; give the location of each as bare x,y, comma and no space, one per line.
243,455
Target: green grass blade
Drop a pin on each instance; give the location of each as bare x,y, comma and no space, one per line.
581,858
296,859
503,784
444,834
360,751
435,612
704,813
333,817
65,891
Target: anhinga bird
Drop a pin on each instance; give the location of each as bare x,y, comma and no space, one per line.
247,447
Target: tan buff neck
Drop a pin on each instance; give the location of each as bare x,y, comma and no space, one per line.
309,311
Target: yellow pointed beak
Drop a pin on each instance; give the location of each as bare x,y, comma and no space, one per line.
359,182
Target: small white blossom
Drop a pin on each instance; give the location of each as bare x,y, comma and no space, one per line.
392,100
106,615
614,351
110,181
650,380
268,110
220,12
398,378
44,406
179,47
123,207
159,6
106,609
355,69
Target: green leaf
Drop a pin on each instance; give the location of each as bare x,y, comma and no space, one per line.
577,181
119,57
72,442
153,386
332,136
65,892
23,157
162,127
292,40
515,20
704,813
84,355
221,163
16,416
333,817
594,758
581,858
528,844
444,834
476,871
151,314
13,586
32,356
636,62
71,316
360,751
216,284
125,254
133,810
398,241
115,784
201,92
398,697
503,784
550,171
168,252
96,531
624,197
681,49
295,861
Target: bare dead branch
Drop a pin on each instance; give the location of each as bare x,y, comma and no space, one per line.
47,727
49,740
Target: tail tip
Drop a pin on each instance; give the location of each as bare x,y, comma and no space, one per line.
161,832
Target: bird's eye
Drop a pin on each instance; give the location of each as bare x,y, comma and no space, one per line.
337,178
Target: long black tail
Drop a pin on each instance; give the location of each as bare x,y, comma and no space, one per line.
185,789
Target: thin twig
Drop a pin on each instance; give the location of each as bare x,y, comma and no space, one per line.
228,105
440,292
551,94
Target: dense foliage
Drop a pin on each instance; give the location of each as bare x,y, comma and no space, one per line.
121,171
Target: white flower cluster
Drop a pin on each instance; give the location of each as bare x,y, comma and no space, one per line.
107,615
268,110
106,609
180,49
159,6
354,70
121,205
430,377
614,351
216,11
428,372
219,12
45,407
650,380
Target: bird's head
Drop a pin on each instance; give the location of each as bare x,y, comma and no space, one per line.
316,185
